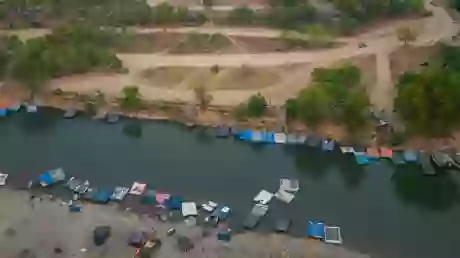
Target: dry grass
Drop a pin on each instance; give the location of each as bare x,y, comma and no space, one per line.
202,43
409,59
166,77
245,78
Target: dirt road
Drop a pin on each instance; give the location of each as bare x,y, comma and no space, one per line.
380,42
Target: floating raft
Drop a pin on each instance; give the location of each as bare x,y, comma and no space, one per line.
295,139
328,145
411,156
51,177
32,109
362,158
138,188
280,138
316,229
119,193
3,178
332,235
70,113
346,150
398,158
222,131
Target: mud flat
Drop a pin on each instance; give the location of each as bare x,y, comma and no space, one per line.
47,224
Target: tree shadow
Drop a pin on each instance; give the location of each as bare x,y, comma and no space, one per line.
44,121
133,129
351,172
435,193
311,162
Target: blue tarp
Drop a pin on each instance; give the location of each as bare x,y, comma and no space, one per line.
362,159
46,178
222,131
3,112
175,202
315,229
245,135
410,156
257,136
328,145
268,137
101,195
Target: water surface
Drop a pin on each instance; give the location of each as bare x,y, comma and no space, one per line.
382,211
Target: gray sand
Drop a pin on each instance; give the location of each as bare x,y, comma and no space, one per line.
48,225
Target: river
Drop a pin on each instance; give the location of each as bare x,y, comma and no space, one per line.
382,211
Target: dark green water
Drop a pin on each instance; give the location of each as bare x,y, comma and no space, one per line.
382,212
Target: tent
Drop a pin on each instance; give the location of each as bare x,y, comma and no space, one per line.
3,178
101,234
332,235
280,138
290,185
263,197
119,193
189,209
175,202
148,197
137,188
315,229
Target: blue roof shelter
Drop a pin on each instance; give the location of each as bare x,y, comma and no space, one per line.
45,178
101,195
316,229
175,202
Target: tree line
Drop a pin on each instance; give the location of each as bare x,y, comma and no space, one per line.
66,51
285,14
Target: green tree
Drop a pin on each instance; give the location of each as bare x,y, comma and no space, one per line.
202,97
256,106
318,34
406,35
314,105
241,16
291,108
131,98
428,101
355,110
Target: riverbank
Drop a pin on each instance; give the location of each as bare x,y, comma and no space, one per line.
24,226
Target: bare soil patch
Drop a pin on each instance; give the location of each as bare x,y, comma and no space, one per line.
148,42
245,77
204,43
410,58
166,77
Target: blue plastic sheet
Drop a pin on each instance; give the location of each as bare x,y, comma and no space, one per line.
315,229
46,178
410,156
175,202
362,159
3,112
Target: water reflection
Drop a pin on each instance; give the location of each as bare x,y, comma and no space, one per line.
437,193
352,173
204,135
133,129
40,122
311,162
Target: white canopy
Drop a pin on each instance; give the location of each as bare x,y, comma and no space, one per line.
289,185
189,209
263,197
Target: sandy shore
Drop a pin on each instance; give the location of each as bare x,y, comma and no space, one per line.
48,225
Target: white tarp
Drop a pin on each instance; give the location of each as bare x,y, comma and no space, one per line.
332,235
347,149
263,197
289,185
189,209
259,210
119,193
209,206
3,178
32,109
284,196
137,188
280,138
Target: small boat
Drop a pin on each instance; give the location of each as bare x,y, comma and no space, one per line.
119,193
70,113
425,162
347,150
51,177
332,235
32,109
282,225
442,159
222,131
112,118
316,229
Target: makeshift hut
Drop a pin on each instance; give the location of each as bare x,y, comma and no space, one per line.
138,188
175,202
222,131
189,209
332,235
316,229
51,177
101,196
328,145
386,153
263,197
148,197
282,225
411,156
3,178
70,113
280,138
119,193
